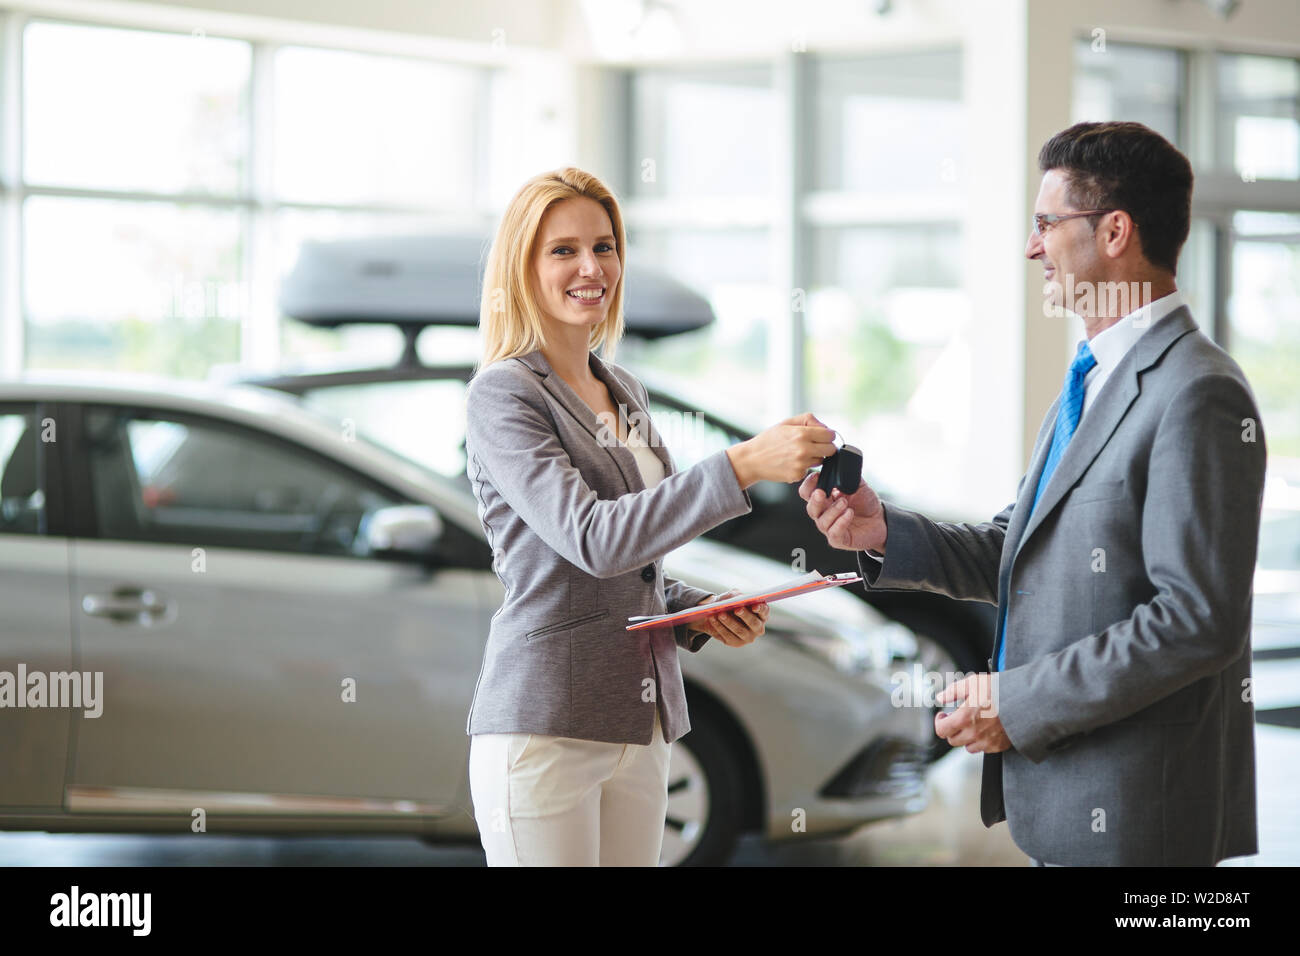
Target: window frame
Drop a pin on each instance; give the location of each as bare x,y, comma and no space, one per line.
1219,193
254,202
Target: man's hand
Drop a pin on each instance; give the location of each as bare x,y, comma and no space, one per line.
853,522
975,725
735,628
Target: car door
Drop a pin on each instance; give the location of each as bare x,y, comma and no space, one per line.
35,616
254,661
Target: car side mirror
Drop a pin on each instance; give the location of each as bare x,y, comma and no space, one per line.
401,533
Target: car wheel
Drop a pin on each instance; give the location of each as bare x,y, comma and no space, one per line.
935,657
701,825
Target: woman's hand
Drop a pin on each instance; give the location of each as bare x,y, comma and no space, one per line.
783,452
735,628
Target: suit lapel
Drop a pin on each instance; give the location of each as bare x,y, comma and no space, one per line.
1097,427
1093,433
1020,514
581,412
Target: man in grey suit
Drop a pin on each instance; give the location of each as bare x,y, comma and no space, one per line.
1116,719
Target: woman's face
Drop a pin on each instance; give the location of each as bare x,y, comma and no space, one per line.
576,263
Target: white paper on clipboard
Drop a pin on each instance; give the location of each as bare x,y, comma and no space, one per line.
804,584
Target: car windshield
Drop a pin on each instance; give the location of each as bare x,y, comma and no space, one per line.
422,422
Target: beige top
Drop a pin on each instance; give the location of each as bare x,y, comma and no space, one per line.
651,468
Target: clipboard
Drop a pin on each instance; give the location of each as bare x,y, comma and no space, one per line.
804,584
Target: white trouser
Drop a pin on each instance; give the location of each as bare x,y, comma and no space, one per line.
557,801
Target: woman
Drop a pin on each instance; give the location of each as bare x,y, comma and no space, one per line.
573,716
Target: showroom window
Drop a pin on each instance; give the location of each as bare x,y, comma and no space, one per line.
1241,265
702,175
1123,80
729,265
886,323
1258,116
125,283
888,124
1263,322
873,251
162,183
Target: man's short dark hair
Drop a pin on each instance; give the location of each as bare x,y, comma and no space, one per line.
1131,167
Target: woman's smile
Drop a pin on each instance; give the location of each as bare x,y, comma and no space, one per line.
588,295
576,265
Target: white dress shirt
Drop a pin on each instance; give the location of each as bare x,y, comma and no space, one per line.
1110,345
647,462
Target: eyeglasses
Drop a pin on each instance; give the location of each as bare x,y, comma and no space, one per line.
1043,220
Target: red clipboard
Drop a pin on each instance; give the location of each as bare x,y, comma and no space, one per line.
806,584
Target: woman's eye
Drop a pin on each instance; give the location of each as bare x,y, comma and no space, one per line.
568,250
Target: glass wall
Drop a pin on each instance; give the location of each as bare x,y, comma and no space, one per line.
1242,262
875,278
125,283
165,178
703,181
1258,116
888,124
1126,81
1263,321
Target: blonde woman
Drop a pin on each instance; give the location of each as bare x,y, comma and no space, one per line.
573,716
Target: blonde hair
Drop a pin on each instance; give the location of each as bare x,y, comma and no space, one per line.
509,313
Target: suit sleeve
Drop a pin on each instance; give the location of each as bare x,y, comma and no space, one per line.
1200,534
959,560
678,597
510,438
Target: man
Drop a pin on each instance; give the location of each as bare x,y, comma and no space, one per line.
1116,718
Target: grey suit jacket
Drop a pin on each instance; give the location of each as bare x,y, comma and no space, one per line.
578,541
1128,611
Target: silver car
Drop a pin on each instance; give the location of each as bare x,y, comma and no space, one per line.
276,626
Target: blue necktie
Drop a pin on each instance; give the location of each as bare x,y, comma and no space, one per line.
1067,420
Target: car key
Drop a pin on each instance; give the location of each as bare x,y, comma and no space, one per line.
842,470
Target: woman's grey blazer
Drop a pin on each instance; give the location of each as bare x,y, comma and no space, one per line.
578,541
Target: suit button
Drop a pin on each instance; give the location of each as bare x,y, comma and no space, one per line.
648,573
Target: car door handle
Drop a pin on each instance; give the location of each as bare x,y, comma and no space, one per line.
127,605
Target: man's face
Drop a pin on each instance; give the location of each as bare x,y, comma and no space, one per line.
1066,248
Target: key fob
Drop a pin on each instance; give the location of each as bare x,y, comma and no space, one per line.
842,470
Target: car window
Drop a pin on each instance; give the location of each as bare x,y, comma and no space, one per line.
22,486
195,481
423,421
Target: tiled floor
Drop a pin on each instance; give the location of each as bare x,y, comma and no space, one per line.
947,833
